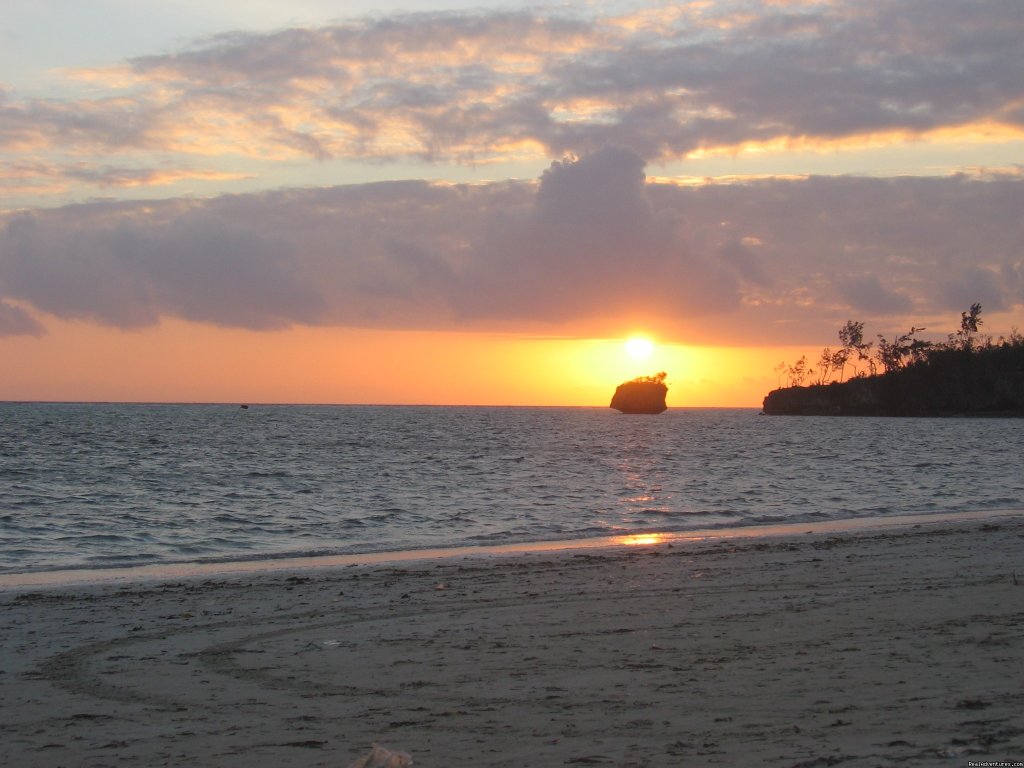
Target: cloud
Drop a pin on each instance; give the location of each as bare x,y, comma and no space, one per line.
591,242
865,293
22,177
127,265
474,86
15,321
83,124
971,283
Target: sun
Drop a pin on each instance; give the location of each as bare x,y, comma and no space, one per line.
639,347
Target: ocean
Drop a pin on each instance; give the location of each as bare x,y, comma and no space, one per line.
108,485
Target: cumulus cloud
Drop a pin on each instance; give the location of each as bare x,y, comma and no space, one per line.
479,86
592,239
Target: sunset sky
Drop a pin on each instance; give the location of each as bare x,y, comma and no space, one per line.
480,202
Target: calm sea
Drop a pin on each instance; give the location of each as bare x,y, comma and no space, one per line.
96,486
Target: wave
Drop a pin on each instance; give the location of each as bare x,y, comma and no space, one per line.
185,483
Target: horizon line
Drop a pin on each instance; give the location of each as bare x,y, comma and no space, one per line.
250,403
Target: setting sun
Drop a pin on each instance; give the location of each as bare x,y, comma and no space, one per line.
639,347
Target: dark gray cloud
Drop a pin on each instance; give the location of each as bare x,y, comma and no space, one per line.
865,293
970,283
772,261
591,243
468,86
125,265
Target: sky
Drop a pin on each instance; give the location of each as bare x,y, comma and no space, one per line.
480,202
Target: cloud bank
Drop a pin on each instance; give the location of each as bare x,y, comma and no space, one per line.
477,87
593,239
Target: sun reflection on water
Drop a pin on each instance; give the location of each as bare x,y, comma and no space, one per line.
641,539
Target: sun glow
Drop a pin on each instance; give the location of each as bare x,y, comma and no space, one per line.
178,361
639,347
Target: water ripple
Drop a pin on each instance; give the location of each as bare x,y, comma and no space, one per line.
118,484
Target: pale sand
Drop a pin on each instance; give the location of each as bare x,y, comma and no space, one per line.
901,647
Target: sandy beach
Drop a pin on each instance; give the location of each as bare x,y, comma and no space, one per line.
878,648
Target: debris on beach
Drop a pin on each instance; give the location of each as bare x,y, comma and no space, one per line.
380,757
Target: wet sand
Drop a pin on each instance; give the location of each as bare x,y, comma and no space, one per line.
894,647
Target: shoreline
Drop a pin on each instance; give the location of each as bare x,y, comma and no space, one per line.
155,572
886,647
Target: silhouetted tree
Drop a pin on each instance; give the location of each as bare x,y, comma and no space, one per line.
969,322
779,370
831,363
824,365
798,372
852,337
839,359
902,350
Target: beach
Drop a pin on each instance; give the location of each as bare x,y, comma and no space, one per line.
895,646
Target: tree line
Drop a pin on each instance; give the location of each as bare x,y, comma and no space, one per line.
859,358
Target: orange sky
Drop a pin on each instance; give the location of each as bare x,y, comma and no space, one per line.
186,362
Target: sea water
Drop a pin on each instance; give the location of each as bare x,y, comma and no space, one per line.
106,485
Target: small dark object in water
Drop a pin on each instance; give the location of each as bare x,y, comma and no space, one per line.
244,407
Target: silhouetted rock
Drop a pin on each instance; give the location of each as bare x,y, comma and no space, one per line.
645,394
